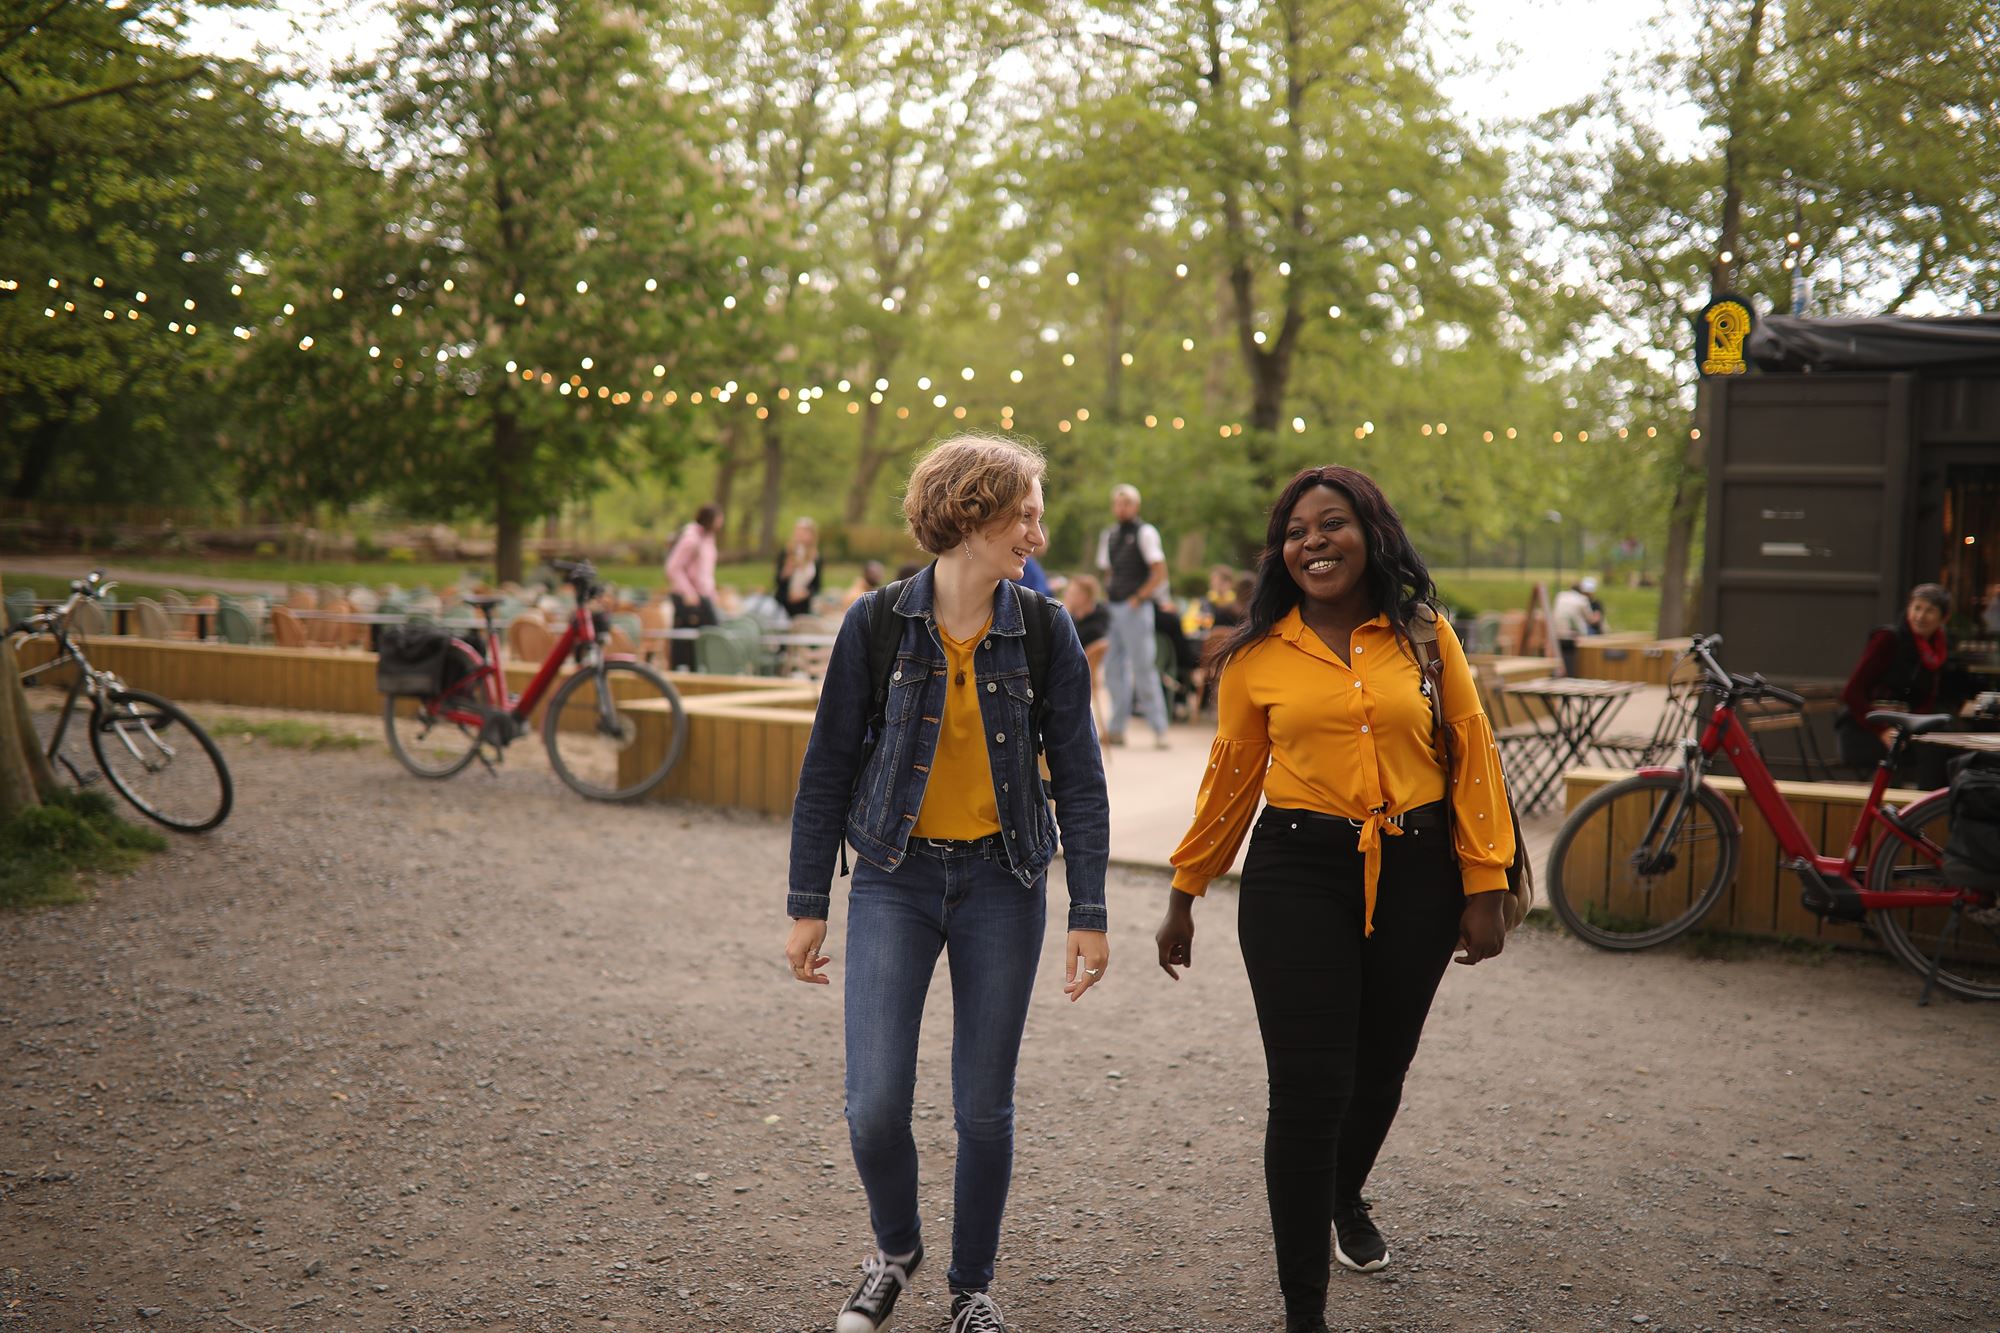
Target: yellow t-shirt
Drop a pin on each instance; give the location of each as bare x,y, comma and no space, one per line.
958,796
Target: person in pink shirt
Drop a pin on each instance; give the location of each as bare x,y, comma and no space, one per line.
691,579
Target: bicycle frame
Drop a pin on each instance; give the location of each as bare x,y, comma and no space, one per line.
492,674
1725,733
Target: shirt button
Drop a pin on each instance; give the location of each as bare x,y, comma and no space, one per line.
1357,684
1364,731
1359,649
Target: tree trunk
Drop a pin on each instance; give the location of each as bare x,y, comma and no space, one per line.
1114,337
44,444
1690,484
1690,493
774,477
509,458
868,461
728,462
22,779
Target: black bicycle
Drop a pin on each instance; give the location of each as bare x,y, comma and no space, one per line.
147,747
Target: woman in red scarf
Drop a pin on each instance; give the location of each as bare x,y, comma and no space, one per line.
1900,669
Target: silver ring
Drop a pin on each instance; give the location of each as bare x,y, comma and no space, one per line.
1093,971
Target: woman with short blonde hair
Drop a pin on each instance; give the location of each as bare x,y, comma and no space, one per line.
932,773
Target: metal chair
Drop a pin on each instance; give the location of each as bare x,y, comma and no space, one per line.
233,623
721,652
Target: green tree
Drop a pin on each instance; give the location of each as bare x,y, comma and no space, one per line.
132,176
523,298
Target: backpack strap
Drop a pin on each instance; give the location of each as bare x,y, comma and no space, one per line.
885,631
1038,614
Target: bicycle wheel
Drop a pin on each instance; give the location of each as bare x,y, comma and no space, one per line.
1970,964
616,732
1615,894
161,761
426,741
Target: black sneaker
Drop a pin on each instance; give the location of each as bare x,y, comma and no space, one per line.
1356,1242
975,1312
882,1281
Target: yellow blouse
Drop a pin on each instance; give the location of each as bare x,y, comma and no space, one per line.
1305,730
958,796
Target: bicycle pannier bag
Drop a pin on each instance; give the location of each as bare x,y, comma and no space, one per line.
1972,852
410,659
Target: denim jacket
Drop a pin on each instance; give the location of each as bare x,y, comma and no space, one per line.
876,814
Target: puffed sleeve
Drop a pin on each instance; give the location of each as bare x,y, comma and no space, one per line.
1232,786
1482,829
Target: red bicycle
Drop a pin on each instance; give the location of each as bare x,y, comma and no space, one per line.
448,704
1641,861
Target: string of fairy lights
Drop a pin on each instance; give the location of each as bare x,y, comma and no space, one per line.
179,317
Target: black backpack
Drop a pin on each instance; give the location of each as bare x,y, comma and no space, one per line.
1972,851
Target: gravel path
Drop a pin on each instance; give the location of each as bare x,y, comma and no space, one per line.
383,1054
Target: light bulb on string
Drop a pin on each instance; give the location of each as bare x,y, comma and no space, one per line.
1187,344
652,284
923,381
1179,422
1014,375
1069,358
520,298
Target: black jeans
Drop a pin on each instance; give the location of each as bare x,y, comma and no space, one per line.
689,615
1340,1014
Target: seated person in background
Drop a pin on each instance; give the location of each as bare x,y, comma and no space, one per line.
1900,669
1182,683
1084,596
1219,607
798,575
871,577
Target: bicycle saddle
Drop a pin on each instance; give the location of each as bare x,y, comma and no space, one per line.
1913,724
479,601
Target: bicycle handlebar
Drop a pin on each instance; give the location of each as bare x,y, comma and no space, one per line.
1702,648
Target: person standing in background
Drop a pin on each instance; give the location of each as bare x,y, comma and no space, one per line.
1134,563
690,568
799,569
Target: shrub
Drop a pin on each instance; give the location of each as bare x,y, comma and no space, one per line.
43,849
402,555
267,549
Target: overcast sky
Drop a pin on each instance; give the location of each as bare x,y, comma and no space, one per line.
1519,57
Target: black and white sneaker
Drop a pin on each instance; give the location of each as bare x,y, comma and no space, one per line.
1356,1242
882,1281
975,1312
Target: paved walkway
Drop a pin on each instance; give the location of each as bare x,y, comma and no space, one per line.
1153,791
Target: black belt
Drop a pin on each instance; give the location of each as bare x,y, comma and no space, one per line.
991,845
1432,816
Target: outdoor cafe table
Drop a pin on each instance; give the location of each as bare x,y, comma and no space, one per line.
1576,710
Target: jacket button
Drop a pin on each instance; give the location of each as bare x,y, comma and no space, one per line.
897,676
999,738
987,644
990,687
1004,787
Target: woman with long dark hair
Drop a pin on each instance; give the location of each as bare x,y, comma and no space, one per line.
1362,875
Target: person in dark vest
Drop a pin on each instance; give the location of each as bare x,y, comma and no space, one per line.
1134,563
1899,669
